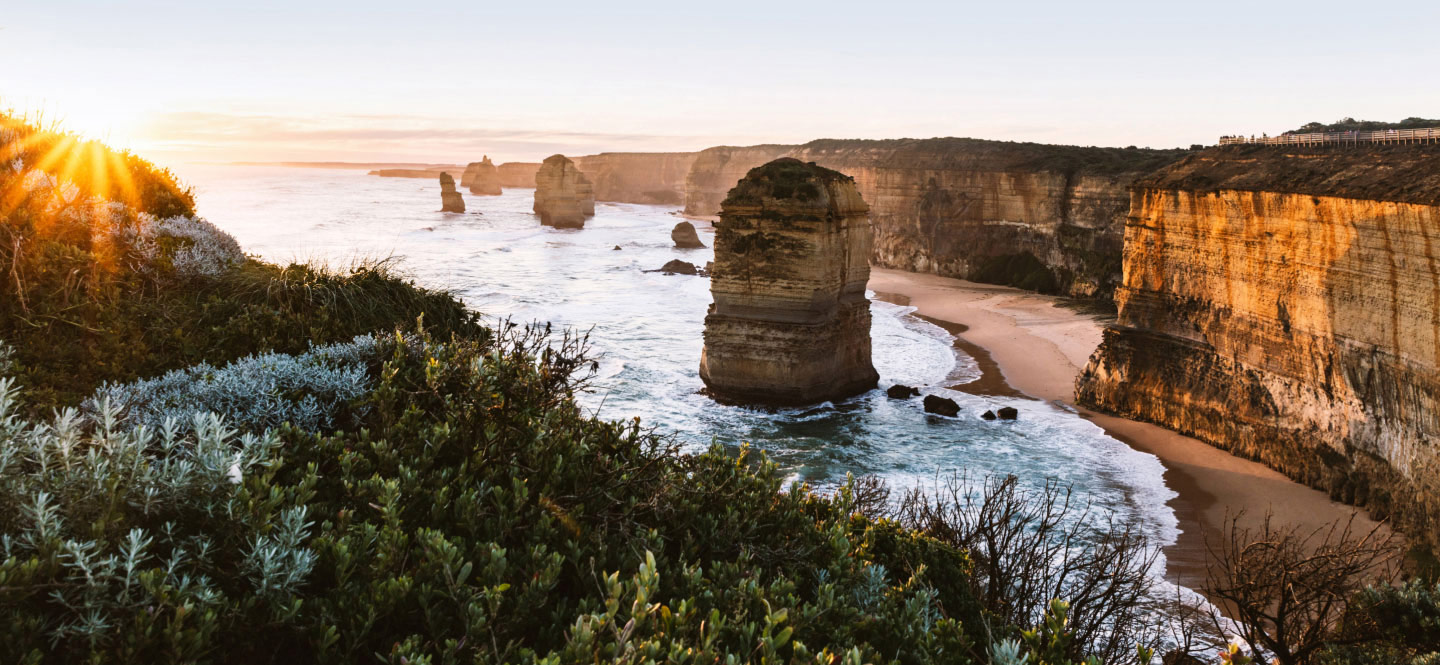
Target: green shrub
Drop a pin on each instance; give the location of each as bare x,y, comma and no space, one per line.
478,516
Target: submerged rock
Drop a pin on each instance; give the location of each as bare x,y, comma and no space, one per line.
685,236
564,197
898,391
450,200
941,405
1008,413
790,323
485,179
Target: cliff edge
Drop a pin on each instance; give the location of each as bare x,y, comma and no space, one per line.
1285,305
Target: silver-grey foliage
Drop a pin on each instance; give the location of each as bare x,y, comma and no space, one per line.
255,393
194,246
66,479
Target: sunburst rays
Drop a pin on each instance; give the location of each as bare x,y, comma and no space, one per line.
89,165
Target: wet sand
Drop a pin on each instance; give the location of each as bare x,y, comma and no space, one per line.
1030,345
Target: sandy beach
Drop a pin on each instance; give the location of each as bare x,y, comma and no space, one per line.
1038,347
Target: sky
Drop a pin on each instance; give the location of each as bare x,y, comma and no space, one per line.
444,82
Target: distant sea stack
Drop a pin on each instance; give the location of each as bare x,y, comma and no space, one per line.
450,200
790,323
1284,304
485,179
564,197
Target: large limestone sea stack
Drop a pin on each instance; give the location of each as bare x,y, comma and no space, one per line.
484,178
564,197
450,200
790,323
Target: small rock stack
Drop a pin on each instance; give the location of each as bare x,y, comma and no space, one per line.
564,197
450,200
685,237
790,323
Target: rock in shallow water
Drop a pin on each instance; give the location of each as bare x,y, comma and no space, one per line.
685,237
988,415
899,391
1008,413
941,405
678,267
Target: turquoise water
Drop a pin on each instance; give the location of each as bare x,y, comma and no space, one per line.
647,326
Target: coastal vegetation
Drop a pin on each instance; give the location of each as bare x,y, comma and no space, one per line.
211,459
1353,125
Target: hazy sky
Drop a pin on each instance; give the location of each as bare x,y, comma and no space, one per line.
419,80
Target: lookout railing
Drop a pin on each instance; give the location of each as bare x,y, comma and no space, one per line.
1431,135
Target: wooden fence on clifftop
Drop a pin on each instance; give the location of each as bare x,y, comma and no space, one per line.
1431,135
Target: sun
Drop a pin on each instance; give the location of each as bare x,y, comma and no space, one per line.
113,127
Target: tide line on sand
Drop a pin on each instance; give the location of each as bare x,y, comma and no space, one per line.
1026,343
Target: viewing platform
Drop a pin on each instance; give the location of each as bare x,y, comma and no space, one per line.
1430,135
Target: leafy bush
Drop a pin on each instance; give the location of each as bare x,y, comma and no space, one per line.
1390,624
257,392
133,545
182,248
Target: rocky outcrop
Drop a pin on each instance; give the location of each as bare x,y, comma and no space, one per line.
1043,217
563,195
638,177
484,178
790,323
899,391
942,406
450,200
517,174
1286,306
684,236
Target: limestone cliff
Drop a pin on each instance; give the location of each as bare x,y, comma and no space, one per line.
638,177
517,174
485,179
790,323
563,195
1044,217
715,171
1286,306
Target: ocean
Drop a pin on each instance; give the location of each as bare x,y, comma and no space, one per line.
646,328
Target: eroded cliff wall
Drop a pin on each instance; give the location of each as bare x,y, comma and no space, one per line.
1048,218
638,177
517,174
1286,306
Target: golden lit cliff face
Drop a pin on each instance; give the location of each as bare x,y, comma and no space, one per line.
1300,330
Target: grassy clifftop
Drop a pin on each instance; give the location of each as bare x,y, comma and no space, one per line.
1403,173
966,153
